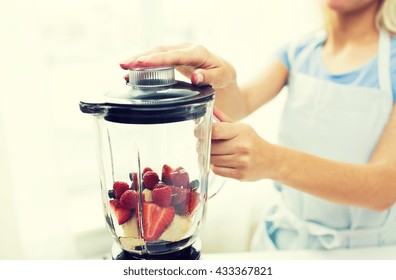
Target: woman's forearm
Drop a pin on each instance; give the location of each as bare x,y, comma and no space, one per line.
366,185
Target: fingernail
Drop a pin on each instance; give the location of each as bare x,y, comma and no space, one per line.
198,78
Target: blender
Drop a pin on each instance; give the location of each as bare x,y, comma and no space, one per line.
153,152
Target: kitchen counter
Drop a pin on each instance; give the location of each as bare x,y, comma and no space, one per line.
380,253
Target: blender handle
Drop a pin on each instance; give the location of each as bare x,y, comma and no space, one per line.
212,191
217,182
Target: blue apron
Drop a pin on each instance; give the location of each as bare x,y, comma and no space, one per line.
338,122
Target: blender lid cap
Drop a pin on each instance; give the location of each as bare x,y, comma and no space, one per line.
151,77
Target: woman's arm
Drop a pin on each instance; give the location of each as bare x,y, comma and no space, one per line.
254,94
202,67
238,152
266,85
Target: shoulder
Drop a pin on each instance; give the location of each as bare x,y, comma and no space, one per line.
292,49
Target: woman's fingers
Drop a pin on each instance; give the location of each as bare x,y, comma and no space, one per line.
225,130
193,61
196,56
190,56
185,70
221,147
214,77
230,161
130,62
225,171
222,117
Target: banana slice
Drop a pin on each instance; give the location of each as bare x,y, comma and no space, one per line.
177,229
130,227
148,197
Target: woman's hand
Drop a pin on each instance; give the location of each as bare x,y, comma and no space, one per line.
203,67
193,61
238,151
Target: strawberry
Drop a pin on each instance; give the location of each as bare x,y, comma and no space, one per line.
162,196
122,214
180,177
129,199
114,203
166,177
147,169
188,206
119,188
179,195
156,220
159,185
150,179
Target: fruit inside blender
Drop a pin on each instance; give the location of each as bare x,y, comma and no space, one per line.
167,202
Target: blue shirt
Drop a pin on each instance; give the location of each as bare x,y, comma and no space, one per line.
364,76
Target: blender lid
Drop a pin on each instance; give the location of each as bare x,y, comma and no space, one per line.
152,95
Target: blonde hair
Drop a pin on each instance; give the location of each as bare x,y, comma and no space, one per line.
386,16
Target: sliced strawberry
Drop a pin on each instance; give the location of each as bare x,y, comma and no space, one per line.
146,169
188,206
179,195
180,177
156,219
162,196
193,201
166,177
129,199
150,179
119,188
122,214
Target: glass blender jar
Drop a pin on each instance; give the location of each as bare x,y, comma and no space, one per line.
153,152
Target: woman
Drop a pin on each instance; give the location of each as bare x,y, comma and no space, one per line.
335,163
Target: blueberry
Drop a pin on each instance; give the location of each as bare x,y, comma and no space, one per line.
111,194
194,184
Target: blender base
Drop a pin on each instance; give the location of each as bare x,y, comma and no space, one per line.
189,253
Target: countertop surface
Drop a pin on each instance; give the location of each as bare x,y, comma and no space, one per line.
380,253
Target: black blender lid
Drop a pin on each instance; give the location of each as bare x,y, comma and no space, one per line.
151,96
